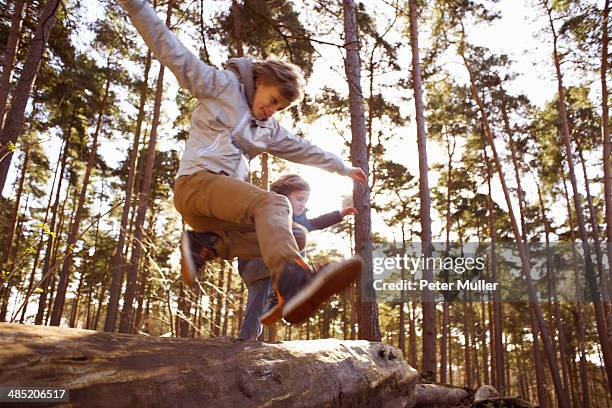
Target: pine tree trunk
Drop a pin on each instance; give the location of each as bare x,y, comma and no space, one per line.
101,296
450,351
237,20
538,363
369,328
31,288
51,239
592,281
467,347
54,261
476,363
605,285
412,338
118,262
445,303
523,253
125,324
607,142
579,306
142,294
240,304
218,302
428,305
526,382
75,305
14,117
88,314
401,341
556,310
7,263
573,371
182,324
58,306
492,345
226,297
497,338
485,354
10,53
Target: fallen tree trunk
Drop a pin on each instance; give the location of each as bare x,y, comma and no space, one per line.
439,396
119,370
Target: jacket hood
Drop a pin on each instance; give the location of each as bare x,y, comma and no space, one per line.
243,68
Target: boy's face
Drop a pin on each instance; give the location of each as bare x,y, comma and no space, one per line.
267,100
298,200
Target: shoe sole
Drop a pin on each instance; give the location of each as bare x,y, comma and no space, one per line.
273,315
325,284
188,267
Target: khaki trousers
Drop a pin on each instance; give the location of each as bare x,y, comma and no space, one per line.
250,222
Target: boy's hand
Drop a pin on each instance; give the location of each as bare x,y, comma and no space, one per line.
357,174
348,211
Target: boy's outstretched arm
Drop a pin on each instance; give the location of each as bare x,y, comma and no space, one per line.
299,150
192,73
329,219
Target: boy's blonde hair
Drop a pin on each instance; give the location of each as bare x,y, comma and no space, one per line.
287,77
288,184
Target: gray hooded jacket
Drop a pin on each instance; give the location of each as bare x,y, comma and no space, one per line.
223,135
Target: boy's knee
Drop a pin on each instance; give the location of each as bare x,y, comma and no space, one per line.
300,233
277,200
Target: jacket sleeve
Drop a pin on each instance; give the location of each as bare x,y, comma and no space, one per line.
299,150
192,73
325,220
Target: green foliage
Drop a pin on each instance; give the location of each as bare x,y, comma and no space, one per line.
267,28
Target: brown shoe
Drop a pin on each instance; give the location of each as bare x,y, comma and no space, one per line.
273,310
318,288
196,249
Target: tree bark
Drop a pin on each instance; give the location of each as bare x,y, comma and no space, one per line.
125,324
428,305
485,354
401,342
445,303
118,262
607,141
226,301
523,253
579,306
214,373
10,54
556,310
497,338
75,305
52,275
590,275
218,302
12,221
6,258
14,118
31,288
51,240
467,346
367,311
182,318
58,306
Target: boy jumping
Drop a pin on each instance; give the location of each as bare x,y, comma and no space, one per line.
231,124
